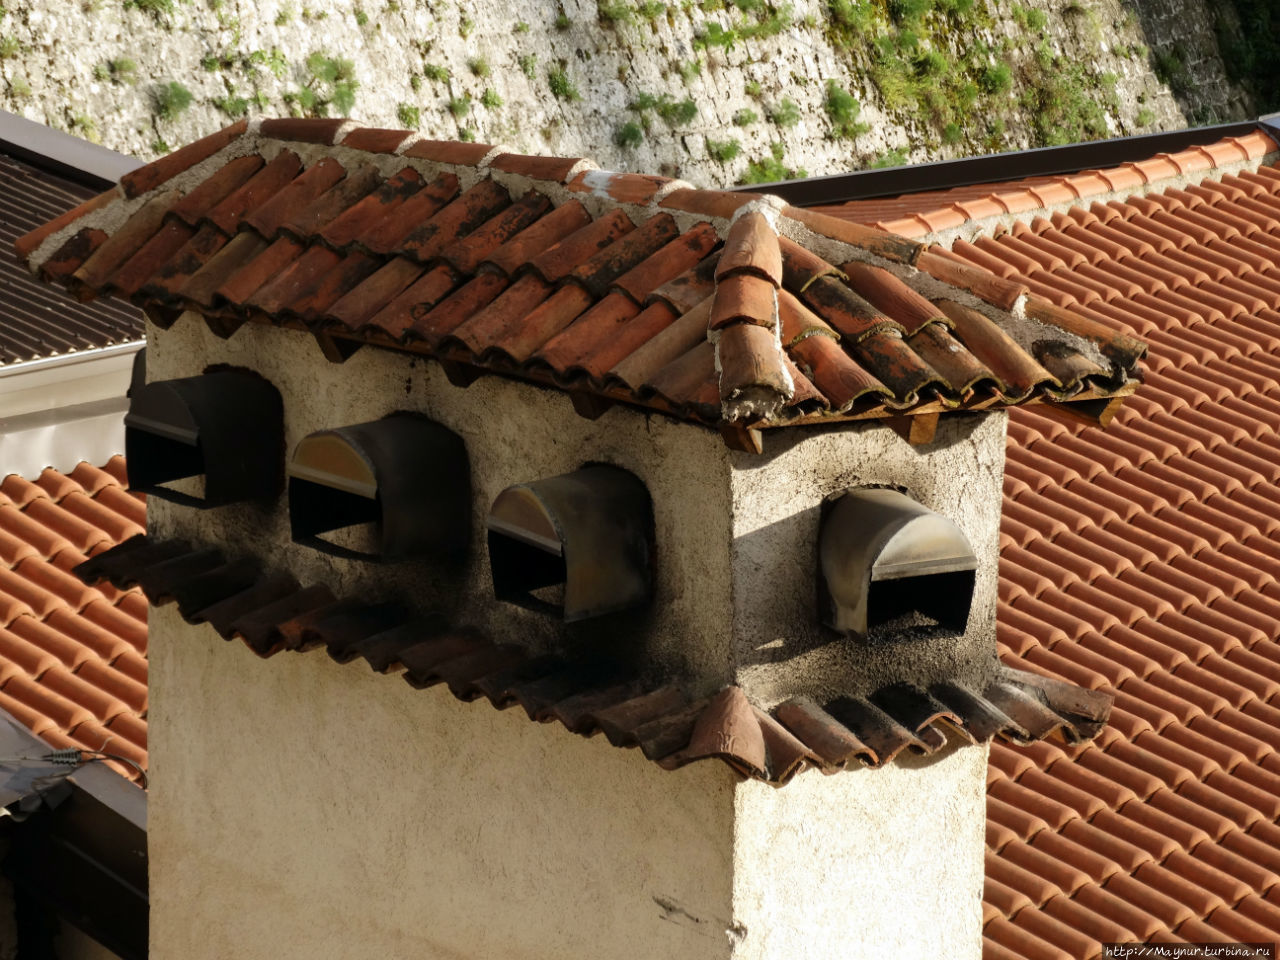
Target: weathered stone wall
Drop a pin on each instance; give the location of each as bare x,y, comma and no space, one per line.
732,90
1186,57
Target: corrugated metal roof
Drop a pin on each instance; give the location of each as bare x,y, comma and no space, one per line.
36,321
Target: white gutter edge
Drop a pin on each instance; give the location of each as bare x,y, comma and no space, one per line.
71,359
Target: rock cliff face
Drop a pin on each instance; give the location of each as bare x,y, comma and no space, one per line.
716,92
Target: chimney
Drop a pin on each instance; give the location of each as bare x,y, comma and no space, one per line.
723,509
476,833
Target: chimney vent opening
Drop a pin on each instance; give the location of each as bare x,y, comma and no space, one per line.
890,566
226,428
577,546
391,489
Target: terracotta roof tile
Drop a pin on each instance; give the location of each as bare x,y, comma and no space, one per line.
1020,942
1159,560
435,219
345,223
160,171
372,210
374,140
1087,921
260,188
269,216
668,728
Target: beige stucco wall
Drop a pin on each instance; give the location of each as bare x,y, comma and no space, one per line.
864,865
301,809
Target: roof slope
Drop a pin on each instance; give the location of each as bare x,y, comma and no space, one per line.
930,212
73,664
35,321
722,308
1145,557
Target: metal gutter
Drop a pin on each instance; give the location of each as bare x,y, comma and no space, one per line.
121,351
57,152
997,167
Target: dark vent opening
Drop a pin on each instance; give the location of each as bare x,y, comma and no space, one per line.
890,565
394,489
226,427
578,545
317,509
527,576
935,603
153,460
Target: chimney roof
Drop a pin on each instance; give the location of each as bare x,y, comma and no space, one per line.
272,613
739,310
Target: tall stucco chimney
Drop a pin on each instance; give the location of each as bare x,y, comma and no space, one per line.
727,510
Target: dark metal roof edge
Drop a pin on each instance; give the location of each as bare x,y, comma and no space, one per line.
122,797
996,167
109,788
62,154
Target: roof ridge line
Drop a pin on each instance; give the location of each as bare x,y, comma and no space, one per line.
972,229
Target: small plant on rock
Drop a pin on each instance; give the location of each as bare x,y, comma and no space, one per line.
843,111
786,113
460,106
332,84
629,136
171,100
409,116
722,151
562,88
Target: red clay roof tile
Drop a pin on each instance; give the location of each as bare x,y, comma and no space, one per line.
260,188
751,247
138,182
462,154
597,342
519,341
471,209
308,130
268,217
374,140
620,187
359,304
743,298
467,254
476,312
372,210
413,303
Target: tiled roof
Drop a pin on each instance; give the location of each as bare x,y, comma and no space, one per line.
73,664
1145,558
272,612
919,214
35,321
717,307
